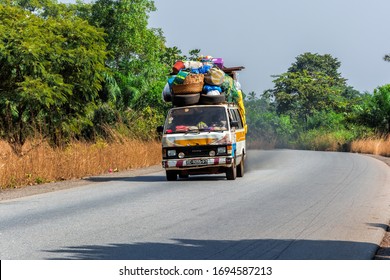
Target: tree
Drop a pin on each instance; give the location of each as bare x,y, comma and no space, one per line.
138,56
193,54
50,73
311,84
314,63
375,110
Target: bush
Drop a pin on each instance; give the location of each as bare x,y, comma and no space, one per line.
322,140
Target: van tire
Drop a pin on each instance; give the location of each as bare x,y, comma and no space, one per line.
171,175
241,168
231,172
185,99
212,99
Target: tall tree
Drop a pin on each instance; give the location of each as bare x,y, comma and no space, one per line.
311,84
313,63
138,54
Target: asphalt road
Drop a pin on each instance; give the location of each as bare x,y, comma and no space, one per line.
289,205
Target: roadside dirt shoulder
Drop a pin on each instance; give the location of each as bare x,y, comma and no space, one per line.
7,194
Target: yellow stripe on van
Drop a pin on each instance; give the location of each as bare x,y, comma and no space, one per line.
240,136
194,142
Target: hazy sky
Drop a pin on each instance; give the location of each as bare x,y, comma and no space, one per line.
266,36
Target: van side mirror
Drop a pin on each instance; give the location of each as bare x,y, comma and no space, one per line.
234,124
160,129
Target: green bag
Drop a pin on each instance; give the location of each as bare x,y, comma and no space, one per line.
230,90
180,77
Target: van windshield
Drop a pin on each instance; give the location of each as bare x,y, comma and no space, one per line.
196,119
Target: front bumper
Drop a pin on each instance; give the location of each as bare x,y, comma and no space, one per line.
196,163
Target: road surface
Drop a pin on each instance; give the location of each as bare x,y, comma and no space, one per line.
289,205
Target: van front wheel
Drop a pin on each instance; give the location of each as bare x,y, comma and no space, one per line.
241,168
171,175
231,172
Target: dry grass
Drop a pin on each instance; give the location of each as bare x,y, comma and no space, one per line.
379,146
40,163
375,146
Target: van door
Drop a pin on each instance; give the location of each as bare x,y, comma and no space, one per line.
240,139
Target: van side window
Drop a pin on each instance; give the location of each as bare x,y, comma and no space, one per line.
236,117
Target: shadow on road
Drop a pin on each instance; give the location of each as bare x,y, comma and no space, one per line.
156,178
101,179
190,249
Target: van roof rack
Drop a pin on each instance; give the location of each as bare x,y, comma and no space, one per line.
228,70
231,71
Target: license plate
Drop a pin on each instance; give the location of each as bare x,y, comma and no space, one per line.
197,162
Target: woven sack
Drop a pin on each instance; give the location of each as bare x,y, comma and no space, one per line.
193,79
214,77
187,88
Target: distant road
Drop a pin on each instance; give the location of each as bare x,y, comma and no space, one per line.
289,205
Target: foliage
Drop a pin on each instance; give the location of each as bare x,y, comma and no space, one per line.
96,70
325,140
76,70
263,121
312,107
50,74
139,61
311,84
302,94
375,110
314,63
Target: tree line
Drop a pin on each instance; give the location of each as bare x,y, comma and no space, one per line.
312,101
78,71
92,70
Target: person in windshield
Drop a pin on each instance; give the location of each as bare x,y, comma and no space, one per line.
218,122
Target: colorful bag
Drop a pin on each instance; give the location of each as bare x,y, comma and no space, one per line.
192,64
204,69
228,86
180,77
213,92
208,88
214,77
218,62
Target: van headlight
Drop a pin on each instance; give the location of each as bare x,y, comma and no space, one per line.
221,150
171,153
